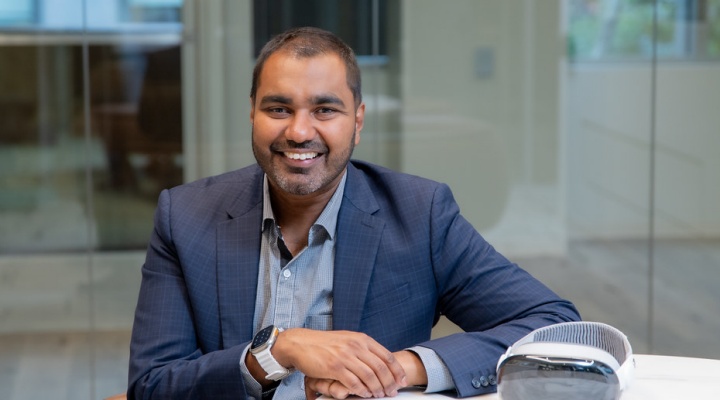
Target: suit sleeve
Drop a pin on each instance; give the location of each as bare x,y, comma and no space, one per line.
166,361
493,300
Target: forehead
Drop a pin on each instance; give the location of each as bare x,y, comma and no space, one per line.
286,71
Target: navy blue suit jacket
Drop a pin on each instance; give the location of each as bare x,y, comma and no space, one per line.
404,256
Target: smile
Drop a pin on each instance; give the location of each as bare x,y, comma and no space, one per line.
300,156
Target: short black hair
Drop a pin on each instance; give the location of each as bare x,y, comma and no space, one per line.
308,42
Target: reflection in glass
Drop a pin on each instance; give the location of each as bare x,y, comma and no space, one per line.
77,188
548,154
615,29
135,103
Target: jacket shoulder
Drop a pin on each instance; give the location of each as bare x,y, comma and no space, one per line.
386,180
372,187
220,193
242,175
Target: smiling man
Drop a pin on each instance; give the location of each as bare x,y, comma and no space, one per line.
309,273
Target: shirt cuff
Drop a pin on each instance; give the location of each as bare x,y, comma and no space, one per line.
253,387
439,378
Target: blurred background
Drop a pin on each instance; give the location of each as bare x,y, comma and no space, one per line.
580,137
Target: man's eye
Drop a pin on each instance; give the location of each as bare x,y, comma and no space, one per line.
325,110
277,110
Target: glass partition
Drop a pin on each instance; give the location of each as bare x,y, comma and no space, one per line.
90,132
642,168
579,137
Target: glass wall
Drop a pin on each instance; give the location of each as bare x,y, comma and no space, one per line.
91,130
642,171
579,137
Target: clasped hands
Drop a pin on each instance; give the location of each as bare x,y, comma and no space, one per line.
338,364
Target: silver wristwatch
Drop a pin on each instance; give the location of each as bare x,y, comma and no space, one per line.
260,348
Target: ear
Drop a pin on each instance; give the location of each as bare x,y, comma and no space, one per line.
359,121
252,111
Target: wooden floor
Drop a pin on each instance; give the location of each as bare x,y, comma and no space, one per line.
607,280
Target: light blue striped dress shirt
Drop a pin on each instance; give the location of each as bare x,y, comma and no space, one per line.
297,291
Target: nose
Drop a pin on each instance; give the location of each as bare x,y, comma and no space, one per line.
300,128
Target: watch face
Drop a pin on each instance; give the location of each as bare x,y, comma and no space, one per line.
262,337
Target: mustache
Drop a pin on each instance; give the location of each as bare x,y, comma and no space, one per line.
285,145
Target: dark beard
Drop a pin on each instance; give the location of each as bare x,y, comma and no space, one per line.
283,179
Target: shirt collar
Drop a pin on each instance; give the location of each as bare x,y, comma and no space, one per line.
326,220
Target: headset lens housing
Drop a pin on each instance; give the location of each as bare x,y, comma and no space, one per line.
527,377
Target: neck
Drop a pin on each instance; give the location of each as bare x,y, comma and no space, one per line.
296,214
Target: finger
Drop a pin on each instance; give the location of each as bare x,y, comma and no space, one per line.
311,394
315,387
368,376
350,380
338,390
327,387
376,368
360,377
393,365
380,377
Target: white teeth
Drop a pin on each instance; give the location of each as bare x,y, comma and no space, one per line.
300,156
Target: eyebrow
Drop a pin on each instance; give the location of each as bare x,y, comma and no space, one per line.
275,99
315,100
327,99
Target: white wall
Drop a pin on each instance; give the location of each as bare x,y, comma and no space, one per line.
452,117
480,95
608,140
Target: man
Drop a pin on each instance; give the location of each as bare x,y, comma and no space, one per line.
312,274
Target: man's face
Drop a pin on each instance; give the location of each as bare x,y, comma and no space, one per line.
305,124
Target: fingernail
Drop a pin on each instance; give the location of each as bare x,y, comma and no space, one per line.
403,381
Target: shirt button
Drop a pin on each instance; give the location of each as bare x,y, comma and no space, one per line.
287,273
476,383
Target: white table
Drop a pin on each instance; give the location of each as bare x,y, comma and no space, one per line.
656,378
665,377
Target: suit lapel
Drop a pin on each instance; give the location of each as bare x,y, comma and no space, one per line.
358,240
238,252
